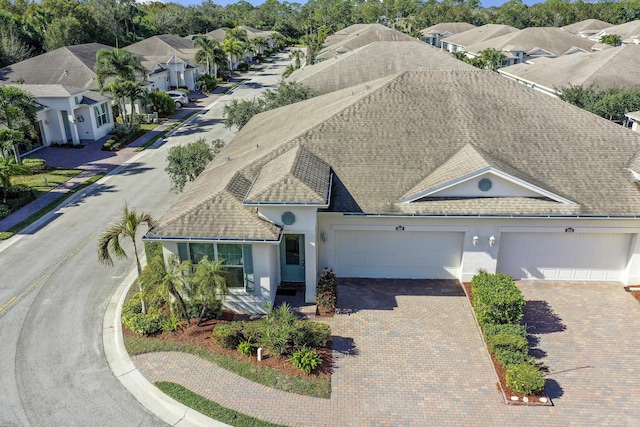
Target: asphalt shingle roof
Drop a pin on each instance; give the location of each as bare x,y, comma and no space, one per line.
479,34
383,141
448,27
362,37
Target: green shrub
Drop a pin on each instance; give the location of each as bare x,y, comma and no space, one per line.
243,66
172,323
109,145
160,102
508,328
507,341
228,335
254,331
496,299
509,357
132,306
245,348
34,164
327,291
305,359
525,379
276,339
4,211
212,310
145,324
311,334
207,83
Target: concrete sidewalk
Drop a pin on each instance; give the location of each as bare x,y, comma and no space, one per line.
92,160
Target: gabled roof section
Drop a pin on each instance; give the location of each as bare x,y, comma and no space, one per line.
480,34
589,26
448,27
615,67
51,91
68,66
295,177
550,39
161,49
627,31
368,34
470,162
373,61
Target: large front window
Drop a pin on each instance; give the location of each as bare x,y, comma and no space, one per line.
102,118
236,257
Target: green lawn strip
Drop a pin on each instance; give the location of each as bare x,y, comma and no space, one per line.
209,408
42,183
51,206
308,386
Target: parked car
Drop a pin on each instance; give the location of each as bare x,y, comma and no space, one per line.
180,98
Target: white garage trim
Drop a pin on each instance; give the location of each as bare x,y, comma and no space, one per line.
398,254
565,256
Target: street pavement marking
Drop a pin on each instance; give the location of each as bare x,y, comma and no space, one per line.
42,280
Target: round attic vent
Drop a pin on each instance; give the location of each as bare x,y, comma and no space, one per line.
484,184
288,218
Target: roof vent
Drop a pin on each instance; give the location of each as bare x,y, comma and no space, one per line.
367,87
228,159
66,73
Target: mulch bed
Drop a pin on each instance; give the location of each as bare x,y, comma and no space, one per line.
201,336
501,374
636,294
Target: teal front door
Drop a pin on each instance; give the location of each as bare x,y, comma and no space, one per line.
67,127
292,258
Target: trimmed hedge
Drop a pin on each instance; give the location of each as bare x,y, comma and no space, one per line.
508,328
496,299
525,378
327,292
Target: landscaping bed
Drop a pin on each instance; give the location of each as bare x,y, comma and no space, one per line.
511,396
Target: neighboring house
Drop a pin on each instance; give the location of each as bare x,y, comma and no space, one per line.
169,61
344,33
530,43
586,28
221,33
460,42
618,67
373,61
436,33
361,37
423,174
628,32
70,114
633,121
68,66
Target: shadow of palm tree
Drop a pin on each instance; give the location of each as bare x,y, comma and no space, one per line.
553,389
344,346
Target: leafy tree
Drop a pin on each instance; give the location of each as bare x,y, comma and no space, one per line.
210,284
127,227
8,168
165,282
12,48
611,39
186,162
65,31
579,96
160,102
239,112
612,104
18,112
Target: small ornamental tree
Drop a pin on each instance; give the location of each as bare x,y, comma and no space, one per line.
327,292
186,162
611,39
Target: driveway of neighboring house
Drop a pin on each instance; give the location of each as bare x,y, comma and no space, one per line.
408,352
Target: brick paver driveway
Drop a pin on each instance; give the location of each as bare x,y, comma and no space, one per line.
408,353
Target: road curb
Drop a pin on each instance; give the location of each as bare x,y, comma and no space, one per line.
165,408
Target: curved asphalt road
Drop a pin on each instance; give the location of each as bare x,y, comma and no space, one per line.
53,291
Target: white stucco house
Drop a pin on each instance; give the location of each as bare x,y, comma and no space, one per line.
422,174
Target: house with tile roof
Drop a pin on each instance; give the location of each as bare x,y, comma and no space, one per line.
421,174
436,33
359,36
461,41
531,43
617,67
370,62
169,61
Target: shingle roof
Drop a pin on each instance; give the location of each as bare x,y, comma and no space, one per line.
627,31
551,39
588,25
159,49
69,66
448,27
50,90
609,68
373,61
341,34
480,34
383,142
366,35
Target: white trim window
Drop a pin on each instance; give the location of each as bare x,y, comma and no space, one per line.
236,257
101,112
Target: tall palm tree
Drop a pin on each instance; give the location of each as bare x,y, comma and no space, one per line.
134,91
297,55
210,283
233,48
259,44
117,63
166,282
18,112
237,33
209,54
127,227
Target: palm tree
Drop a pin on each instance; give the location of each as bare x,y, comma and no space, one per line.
165,282
117,63
126,227
209,54
8,168
134,91
210,283
297,55
233,48
259,43
18,112
237,33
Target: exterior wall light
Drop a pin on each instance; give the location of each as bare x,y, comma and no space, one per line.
492,241
475,240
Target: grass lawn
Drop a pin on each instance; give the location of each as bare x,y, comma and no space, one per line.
42,183
309,386
209,408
